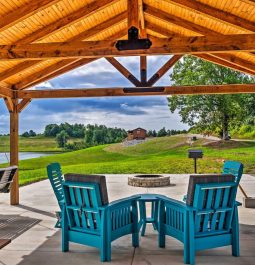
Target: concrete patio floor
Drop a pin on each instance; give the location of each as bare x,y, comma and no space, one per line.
38,242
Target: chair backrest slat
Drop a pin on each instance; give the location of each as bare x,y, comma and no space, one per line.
56,179
82,203
214,203
235,168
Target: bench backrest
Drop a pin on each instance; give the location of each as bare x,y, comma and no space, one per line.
6,178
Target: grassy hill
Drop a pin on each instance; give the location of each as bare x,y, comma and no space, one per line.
159,155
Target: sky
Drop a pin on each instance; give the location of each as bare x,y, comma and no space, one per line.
149,112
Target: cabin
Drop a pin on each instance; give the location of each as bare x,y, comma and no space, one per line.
137,134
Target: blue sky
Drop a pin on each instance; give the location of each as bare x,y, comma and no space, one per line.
124,112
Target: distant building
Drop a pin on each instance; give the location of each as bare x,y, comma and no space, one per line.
137,134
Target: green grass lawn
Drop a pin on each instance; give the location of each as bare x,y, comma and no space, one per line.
159,155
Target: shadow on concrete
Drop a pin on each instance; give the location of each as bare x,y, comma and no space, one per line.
35,210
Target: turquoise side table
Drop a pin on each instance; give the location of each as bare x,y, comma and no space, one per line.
153,218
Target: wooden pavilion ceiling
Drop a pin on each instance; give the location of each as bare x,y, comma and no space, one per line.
42,39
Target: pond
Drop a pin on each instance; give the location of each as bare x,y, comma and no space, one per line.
5,157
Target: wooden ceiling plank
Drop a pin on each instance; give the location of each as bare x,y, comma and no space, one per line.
133,13
23,12
169,18
162,31
169,64
139,91
82,13
106,48
216,13
124,71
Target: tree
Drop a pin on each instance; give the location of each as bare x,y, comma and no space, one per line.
208,112
162,132
62,138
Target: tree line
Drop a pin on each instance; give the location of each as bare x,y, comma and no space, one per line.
163,132
222,115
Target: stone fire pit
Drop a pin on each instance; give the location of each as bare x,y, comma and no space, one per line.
149,181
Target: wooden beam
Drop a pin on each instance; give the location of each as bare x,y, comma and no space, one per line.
220,61
76,63
138,91
23,12
215,13
123,71
6,92
59,24
177,45
170,63
84,35
14,152
169,18
133,13
23,104
9,104
141,15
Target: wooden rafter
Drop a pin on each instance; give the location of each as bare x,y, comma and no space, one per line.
170,63
232,61
221,15
23,12
57,72
229,64
23,104
123,71
137,91
82,13
177,45
133,13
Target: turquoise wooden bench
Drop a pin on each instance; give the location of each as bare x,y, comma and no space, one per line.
56,179
88,218
208,219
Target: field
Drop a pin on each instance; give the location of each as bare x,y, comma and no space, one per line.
159,155
33,144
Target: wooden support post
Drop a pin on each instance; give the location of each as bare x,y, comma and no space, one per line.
143,70
14,151
133,13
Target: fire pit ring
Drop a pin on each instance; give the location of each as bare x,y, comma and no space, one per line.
149,181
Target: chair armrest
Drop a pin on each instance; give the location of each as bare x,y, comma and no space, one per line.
119,203
176,203
238,203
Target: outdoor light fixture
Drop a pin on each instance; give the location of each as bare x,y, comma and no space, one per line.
143,89
133,42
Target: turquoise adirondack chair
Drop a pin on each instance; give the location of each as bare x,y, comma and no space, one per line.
88,218
230,167
208,219
233,167
56,179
